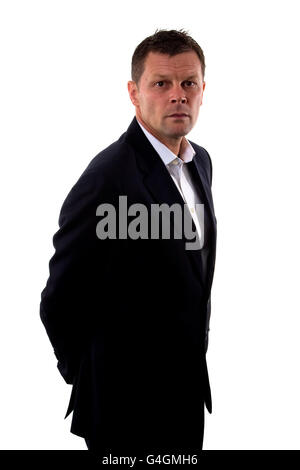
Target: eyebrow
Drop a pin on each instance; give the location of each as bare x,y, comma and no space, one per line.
166,77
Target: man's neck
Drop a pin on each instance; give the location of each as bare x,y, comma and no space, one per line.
176,145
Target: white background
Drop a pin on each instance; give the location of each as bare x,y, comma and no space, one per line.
64,72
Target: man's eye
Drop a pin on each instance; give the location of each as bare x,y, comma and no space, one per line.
189,83
159,84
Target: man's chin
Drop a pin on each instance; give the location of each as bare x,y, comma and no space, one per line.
178,131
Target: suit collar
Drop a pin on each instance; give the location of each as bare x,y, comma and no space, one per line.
157,177
186,150
155,173
161,186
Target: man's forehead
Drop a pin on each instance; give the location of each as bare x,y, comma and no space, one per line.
162,65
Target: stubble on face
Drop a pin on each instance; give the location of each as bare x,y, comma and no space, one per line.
164,82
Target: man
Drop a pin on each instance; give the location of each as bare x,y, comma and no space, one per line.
128,313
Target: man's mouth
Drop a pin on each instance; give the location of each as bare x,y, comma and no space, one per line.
179,115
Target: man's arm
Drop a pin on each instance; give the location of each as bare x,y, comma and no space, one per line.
68,300
211,168
208,311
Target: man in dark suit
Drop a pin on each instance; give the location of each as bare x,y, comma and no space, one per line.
128,313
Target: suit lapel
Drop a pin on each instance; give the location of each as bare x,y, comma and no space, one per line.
202,179
197,169
162,187
155,174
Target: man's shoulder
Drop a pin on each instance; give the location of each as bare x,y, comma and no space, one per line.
203,158
200,151
103,175
111,158
108,166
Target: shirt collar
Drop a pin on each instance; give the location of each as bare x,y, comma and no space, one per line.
187,152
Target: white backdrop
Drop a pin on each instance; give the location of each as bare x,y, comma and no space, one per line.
64,71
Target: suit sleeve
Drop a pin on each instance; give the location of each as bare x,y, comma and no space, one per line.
211,168
208,312
68,301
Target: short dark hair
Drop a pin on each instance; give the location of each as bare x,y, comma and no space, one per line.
164,41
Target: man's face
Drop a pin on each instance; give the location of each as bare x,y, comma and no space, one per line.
168,86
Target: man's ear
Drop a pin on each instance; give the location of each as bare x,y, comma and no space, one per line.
203,86
133,92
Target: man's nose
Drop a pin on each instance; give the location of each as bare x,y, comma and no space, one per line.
177,94
182,99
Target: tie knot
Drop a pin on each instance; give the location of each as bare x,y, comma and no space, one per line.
176,162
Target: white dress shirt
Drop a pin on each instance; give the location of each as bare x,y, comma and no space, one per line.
180,173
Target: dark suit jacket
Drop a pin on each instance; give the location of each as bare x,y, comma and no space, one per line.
129,319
